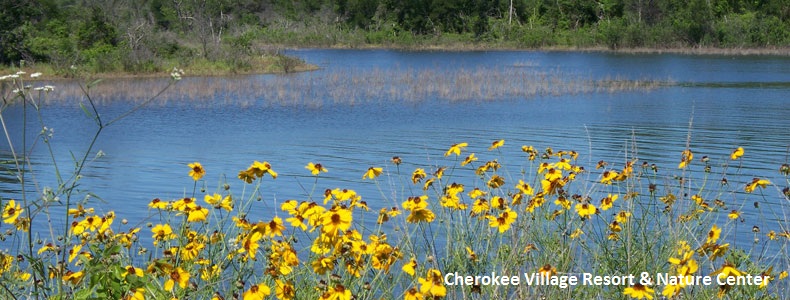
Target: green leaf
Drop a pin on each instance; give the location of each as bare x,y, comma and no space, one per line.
82,294
97,197
112,250
101,295
94,83
86,111
115,286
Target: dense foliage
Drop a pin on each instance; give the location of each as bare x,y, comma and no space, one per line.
137,35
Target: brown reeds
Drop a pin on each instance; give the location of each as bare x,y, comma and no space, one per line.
365,86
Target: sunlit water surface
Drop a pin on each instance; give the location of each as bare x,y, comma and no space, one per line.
722,102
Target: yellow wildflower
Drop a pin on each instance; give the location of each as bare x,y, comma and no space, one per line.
433,284
131,270
196,171
337,219
755,183
737,153
503,221
217,201
469,159
11,212
639,291
337,293
284,290
315,169
418,175
372,173
256,292
685,158
606,203
585,210
177,276
73,277
713,234
456,149
496,144
158,204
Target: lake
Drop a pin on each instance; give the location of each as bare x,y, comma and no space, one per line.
720,102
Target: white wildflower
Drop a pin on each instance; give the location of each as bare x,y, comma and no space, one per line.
176,74
46,88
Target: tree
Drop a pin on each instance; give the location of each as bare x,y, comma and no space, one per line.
14,15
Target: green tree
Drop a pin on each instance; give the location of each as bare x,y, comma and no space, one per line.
15,14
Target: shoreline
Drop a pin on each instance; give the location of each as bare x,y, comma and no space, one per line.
267,68
263,65
776,51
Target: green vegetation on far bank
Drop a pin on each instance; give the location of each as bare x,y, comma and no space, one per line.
231,36
261,64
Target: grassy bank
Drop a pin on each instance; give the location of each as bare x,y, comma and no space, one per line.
259,64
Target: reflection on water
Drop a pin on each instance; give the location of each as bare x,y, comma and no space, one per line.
8,178
233,123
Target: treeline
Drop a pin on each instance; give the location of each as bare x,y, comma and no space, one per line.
611,23
144,35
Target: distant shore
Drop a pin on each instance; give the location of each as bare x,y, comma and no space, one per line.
773,51
265,64
272,65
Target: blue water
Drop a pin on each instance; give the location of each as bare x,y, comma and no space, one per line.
147,153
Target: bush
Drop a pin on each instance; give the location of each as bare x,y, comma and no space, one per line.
102,58
750,30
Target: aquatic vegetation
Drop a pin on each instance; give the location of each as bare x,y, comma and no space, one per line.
454,226
479,84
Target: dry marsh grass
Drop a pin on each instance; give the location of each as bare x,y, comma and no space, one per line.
366,86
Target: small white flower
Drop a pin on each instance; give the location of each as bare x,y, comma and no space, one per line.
233,244
48,131
176,74
35,75
21,72
48,195
46,88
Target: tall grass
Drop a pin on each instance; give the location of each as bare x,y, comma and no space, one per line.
375,85
461,211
